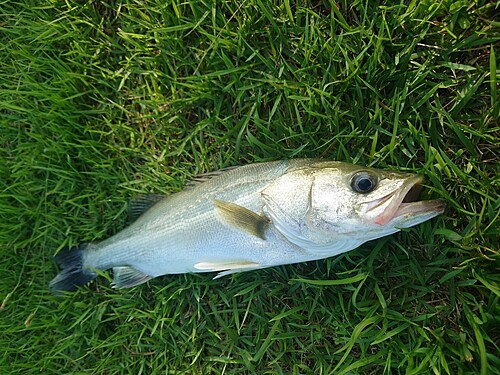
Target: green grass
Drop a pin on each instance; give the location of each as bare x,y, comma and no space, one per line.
102,101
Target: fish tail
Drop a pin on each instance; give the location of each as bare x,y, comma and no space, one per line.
73,274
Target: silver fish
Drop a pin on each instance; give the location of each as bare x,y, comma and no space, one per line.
252,217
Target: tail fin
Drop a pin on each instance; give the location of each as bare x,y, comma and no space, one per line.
72,274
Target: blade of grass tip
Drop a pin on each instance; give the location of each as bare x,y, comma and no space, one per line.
289,12
398,109
381,299
340,18
431,94
355,334
460,134
471,318
452,166
288,312
493,84
469,93
350,369
349,280
387,335
357,290
373,148
217,37
450,275
258,356
494,289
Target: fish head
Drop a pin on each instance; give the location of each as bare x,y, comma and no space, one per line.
334,202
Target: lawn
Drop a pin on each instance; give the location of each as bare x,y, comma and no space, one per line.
103,101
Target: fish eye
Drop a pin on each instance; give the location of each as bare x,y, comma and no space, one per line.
363,183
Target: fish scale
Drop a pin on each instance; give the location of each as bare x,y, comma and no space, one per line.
250,217
193,231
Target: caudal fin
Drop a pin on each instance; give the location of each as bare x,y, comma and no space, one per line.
72,275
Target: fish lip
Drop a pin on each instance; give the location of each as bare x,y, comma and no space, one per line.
431,207
404,201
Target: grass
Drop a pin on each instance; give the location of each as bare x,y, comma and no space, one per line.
102,101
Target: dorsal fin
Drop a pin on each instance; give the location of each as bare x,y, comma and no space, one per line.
141,204
201,178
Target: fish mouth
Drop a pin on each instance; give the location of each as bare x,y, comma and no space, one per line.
404,208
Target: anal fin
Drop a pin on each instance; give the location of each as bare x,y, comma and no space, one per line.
227,268
231,271
127,277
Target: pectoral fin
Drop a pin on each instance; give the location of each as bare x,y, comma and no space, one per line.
127,277
242,218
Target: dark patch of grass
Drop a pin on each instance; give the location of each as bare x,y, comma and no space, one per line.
101,101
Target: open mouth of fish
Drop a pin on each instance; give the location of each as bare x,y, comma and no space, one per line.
404,202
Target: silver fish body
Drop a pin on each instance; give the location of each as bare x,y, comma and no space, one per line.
251,217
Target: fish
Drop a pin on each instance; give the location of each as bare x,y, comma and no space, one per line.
252,217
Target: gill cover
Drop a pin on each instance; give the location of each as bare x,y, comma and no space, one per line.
305,203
